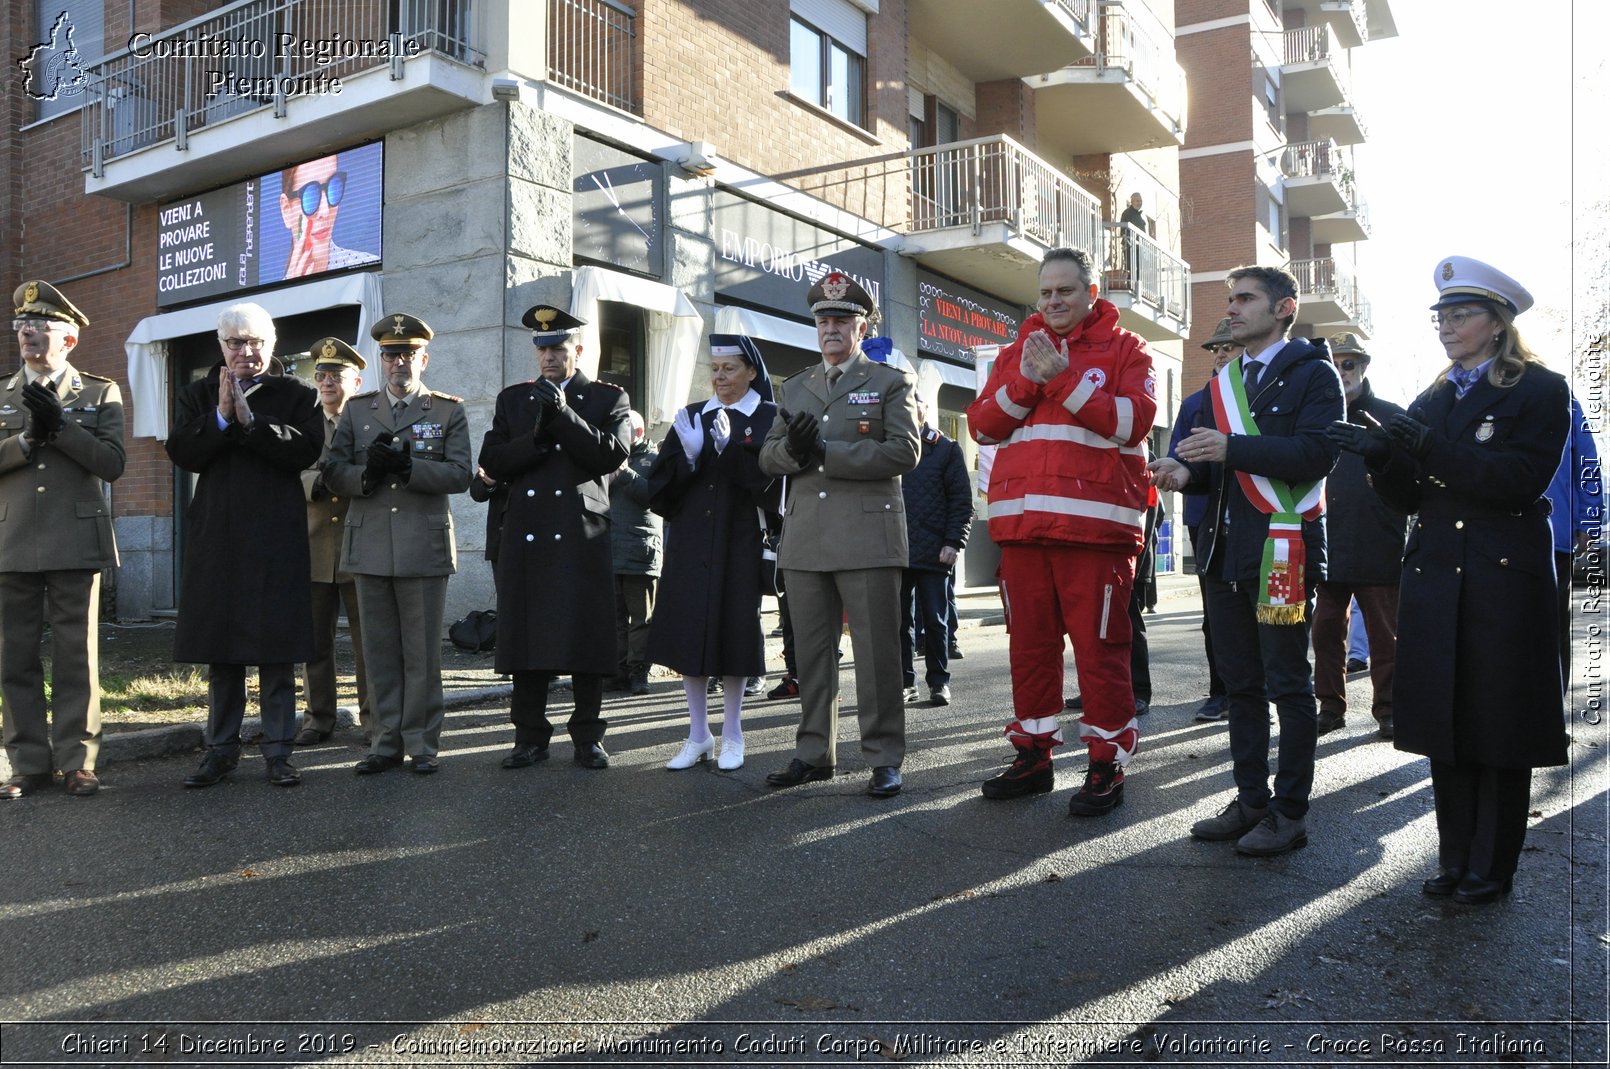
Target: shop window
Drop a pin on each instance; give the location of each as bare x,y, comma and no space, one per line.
622,343
827,72
69,38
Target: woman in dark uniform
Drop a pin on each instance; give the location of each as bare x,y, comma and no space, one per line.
1478,678
708,485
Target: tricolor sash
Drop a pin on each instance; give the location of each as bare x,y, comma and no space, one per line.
1282,590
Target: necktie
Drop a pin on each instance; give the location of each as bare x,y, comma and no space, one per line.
43,380
397,410
833,374
1251,372
1463,380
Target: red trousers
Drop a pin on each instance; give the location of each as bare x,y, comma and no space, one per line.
1051,591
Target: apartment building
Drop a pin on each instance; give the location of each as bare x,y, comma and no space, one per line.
664,168
1267,172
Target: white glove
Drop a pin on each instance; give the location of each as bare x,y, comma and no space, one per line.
691,435
721,430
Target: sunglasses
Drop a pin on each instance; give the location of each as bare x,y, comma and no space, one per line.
330,189
1349,365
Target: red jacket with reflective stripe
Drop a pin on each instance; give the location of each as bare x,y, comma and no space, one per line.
1071,463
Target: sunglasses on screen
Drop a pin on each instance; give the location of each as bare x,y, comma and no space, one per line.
331,190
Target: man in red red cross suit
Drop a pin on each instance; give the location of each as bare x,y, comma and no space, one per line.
1068,406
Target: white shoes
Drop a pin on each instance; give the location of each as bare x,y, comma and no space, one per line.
692,753
732,754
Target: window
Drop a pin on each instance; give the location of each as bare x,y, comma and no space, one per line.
68,40
826,72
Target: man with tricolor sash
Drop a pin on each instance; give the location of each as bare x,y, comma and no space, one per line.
1261,454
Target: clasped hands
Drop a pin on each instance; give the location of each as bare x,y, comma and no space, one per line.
550,401
1374,443
232,403
44,412
804,436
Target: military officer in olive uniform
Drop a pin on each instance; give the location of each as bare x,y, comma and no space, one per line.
337,369
554,441
398,453
846,432
61,442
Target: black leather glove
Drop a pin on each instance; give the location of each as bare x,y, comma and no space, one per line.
1411,434
804,436
387,455
1374,446
319,491
550,399
44,412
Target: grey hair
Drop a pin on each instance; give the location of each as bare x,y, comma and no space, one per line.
251,319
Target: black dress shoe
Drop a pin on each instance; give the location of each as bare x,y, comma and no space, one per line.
1475,891
591,755
310,737
214,767
524,755
375,764
798,772
1444,883
423,765
885,782
281,774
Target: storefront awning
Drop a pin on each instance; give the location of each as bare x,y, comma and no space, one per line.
671,322
147,345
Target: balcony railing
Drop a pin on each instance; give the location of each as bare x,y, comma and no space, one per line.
996,180
1316,44
1128,44
174,82
1147,272
1315,159
1077,10
1327,279
591,50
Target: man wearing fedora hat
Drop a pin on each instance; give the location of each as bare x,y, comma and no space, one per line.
845,434
61,442
1364,538
398,453
337,369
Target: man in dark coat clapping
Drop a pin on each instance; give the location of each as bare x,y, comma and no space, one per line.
246,431
555,440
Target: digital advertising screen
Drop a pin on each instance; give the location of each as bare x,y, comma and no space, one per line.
310,219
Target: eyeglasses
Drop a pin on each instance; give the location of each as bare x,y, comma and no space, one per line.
327,376
331,189
1220,349
235,345
1348,365
1456,319
399,358
35,325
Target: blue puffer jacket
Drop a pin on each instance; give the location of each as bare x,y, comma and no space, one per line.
939,501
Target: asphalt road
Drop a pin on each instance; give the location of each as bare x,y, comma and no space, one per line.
558,916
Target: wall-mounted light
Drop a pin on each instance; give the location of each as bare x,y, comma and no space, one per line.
699,157
505,89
